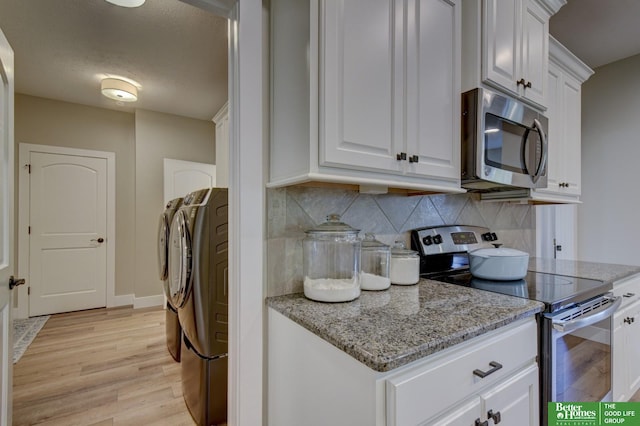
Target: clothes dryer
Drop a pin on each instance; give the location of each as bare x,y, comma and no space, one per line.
198,265
173,330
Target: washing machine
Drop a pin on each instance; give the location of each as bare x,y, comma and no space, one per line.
173,330
198,286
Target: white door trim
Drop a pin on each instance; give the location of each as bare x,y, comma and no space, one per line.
25,150
246,217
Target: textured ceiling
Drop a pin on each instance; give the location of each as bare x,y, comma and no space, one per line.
63,48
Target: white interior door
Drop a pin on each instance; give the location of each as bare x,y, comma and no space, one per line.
557,232
6,227
68,228
182,177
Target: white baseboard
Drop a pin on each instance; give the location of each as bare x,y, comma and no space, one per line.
122,300
148,301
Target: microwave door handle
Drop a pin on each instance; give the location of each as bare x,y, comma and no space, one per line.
543,154
571,325
523,151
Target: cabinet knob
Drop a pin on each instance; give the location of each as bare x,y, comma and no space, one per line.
525,83
413,159
401,156
628,320
494,416
479,423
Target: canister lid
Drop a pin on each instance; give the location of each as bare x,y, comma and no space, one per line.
333,225
398,250
370,243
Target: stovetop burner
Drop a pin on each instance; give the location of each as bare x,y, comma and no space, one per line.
555,291
443,257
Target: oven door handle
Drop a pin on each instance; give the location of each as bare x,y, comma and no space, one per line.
598,315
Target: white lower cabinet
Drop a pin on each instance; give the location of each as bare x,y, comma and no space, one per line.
311,382
626,340
512,402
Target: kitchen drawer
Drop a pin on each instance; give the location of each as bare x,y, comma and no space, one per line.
420,393
629,289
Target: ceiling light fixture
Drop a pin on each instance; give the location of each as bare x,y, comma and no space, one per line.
127,3
119,90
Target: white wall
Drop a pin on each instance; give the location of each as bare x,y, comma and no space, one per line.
160,136
608,224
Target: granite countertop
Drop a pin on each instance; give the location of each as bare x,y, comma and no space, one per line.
606,272
388,329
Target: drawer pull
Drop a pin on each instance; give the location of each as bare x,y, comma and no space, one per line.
482,374
495,416
479,423
629,294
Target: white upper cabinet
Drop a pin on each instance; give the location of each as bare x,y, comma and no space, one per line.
366,92
565,77
506,46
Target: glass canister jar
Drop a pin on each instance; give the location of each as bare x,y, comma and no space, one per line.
374,274
331,254
405,265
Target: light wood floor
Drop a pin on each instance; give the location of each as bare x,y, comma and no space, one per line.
100,367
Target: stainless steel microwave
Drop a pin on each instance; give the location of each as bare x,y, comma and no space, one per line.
504,143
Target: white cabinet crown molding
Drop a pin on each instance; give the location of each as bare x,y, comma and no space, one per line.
569,62
552,6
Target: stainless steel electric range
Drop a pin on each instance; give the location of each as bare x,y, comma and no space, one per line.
576,319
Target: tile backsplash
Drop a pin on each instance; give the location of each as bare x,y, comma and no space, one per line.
291,211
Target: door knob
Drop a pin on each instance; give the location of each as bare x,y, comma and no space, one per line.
99,240
13,282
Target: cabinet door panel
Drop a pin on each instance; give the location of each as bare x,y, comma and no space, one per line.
433,99
359,72
502,42
516,399
555,163
535,51
619,377
632,346
460,415
571,94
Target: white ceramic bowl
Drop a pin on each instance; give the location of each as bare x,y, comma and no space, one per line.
501,264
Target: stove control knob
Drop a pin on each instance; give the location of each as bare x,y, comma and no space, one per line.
494,237
437,239
486,236
427,240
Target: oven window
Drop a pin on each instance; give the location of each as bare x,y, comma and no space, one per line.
503,142
583,364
